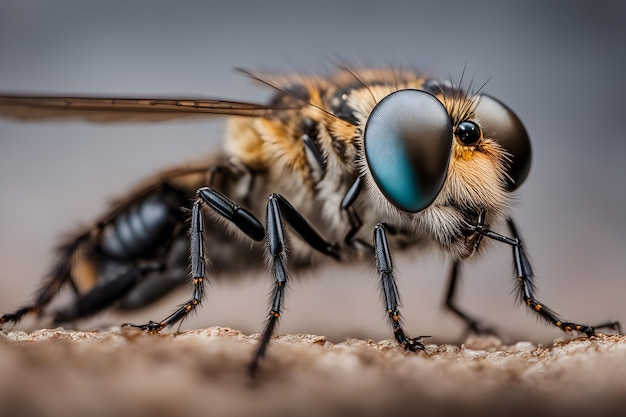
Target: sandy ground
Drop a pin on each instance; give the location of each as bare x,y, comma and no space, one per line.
202,372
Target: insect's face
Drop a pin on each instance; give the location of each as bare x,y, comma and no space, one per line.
447,158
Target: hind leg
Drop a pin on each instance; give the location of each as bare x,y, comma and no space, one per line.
52,285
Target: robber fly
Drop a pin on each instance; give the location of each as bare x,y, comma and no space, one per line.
352,166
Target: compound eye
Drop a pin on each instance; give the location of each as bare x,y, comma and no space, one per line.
468,133
502,125
407,142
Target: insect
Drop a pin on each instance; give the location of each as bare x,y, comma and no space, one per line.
349,167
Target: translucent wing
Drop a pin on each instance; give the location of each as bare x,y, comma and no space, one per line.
103,109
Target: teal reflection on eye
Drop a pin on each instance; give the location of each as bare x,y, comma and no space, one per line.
408,138
395,176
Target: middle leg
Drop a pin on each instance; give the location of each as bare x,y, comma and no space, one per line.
277,209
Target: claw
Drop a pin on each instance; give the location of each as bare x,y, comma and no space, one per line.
415,344
150,327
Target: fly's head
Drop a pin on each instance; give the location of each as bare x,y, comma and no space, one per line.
436,159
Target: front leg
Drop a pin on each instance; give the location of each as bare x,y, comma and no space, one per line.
526,286
390,291
353,217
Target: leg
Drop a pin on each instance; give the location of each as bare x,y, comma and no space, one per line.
473,324
171,187
102,296
390,291
240,217
527,288
57,278
158,283
152,288
353,216
277,209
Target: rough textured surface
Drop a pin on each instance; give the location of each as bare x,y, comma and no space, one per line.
202,372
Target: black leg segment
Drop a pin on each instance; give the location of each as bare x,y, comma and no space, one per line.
103,296
278,208
239,216
276,247
222,205
55,280
353,217
473,325
526,286
384,267
300,225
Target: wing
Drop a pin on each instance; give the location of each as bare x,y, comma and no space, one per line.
103,109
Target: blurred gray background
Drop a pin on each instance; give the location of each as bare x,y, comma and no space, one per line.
559,65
